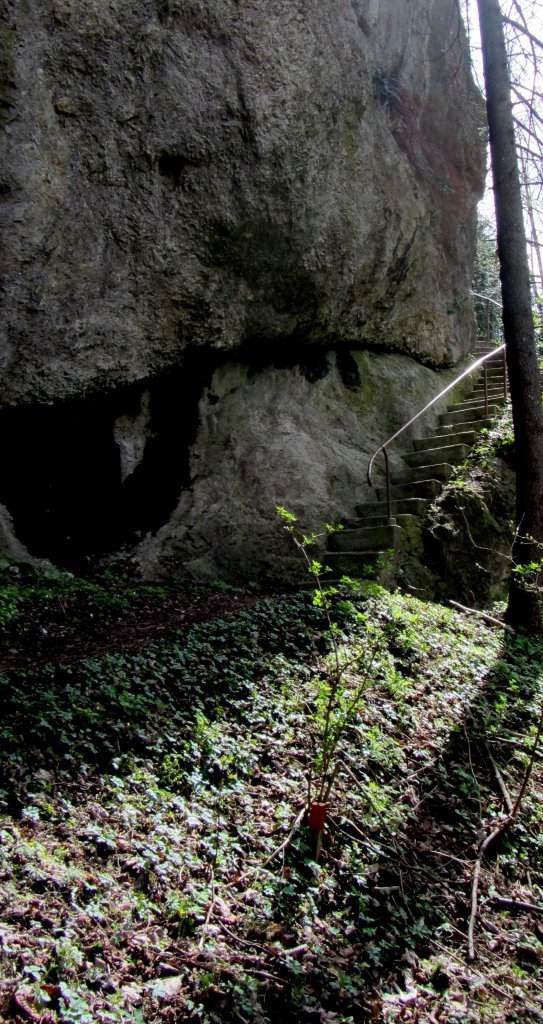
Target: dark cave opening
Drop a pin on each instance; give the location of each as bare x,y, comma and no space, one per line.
60,466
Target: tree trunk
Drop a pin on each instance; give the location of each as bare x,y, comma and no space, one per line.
524,609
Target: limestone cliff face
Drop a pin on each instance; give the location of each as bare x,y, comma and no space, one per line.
189,184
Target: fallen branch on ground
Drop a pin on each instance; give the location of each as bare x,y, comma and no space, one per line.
492,621
497,831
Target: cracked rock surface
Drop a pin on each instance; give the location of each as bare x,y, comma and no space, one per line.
226,183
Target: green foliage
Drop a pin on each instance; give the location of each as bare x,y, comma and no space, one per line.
166,846
39,597
90,709
345,675
495,442
486,281
458,304
10,602
529,575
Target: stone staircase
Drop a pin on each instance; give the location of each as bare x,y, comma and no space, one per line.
365,542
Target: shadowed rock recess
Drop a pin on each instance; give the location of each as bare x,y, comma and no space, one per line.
238,246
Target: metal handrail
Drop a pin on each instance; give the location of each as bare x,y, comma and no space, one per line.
479,295
474,366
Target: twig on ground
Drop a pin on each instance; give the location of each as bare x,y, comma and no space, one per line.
208,915
499,779
529,769
473,775
270,951
364,839
242,942
426,848
366,793
462,962
473,914
492,621
490,927
21,1004
285,842
261,865
497,831
503,901
265,974
295,951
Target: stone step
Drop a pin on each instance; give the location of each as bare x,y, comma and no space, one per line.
453,438
429,456
478,399
493,384
399,506
494,368
476,407
476,425
456,415
492,392
493,397
376,520
402,519
478,392
360,564
427,488
494,381
369,538
373,538
476,411
440,471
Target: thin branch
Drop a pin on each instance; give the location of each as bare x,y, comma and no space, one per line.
462,962
285,843
482,615
525,32
524,127
473,914
528,772
530,152
517,904
499,779
208,915
526,101
497,831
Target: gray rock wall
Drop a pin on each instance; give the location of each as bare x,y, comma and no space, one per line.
300,437
189,183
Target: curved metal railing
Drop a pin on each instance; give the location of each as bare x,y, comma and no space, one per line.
487,299
482,361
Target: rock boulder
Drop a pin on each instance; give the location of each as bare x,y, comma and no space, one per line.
205,193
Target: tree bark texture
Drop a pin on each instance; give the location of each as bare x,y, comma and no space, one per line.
524,608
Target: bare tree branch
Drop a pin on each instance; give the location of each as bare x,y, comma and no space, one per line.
525,32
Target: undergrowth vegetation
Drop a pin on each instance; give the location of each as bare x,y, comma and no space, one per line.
471,524
156,863
498,440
